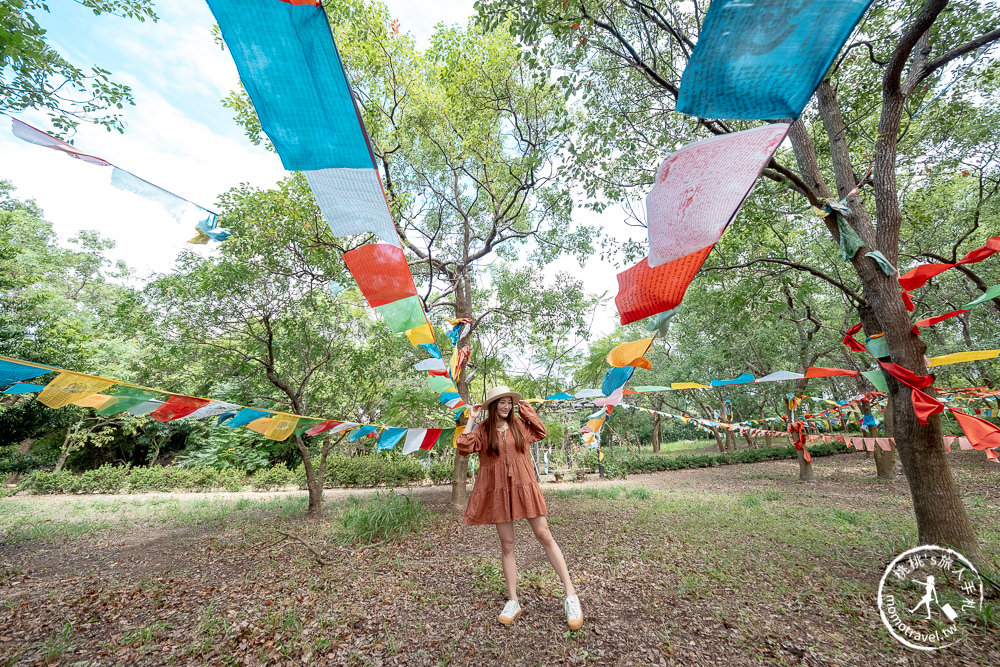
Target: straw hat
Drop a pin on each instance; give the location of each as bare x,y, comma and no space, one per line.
499,392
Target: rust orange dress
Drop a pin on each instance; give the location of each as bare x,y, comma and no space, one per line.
505,487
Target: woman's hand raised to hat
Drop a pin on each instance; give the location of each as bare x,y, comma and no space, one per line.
474,412
523,405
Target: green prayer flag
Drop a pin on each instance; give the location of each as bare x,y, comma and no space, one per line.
991,293
884,264
126,397
404,314
877,379
850,242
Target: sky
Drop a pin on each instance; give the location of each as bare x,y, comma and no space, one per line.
180,137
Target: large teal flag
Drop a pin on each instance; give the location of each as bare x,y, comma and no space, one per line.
763,59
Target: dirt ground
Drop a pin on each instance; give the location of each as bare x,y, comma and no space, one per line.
735,565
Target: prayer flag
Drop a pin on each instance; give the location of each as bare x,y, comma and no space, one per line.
432,437
764,59
23,388
960,357
414,438
403,315
282,425
631,354
382,274
390,437
246,416
177,406
68,387
644,291
14,371
362,432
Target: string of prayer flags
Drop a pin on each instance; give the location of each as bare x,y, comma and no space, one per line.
68,387
177,406
12,371
764,59
631,354
289,65
700,188
182,210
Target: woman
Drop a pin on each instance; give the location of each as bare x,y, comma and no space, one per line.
506,489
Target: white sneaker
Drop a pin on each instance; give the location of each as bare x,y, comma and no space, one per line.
511,611
574,615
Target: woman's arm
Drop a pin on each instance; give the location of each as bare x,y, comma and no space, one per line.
535,426
472,438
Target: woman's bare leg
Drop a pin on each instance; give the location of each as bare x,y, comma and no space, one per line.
506,533
540,527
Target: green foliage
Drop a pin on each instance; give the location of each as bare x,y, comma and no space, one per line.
11,462
633,465
374,470
379,518
441,472
227,448
124,479
273,478
36,76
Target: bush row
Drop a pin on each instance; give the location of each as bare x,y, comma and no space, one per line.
360,471
618,466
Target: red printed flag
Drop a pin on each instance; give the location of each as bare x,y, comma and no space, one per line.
177,407
381,272
645,291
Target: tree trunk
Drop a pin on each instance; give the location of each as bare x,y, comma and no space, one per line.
657,433
64,452
885,461
314,482
719,441
767,439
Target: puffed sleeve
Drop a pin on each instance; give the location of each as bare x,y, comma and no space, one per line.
471,441
535,427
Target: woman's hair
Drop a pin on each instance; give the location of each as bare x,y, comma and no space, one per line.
493,438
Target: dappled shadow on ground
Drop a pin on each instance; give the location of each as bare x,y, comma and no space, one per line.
736,565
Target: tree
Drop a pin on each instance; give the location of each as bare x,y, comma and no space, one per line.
36,76
259,319
464,137
632,54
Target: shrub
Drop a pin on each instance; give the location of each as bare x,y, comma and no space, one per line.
379,518
273,478
41,481
106,479
232,479
441,472
402,471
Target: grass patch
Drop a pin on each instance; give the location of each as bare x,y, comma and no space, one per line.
606,493
379,518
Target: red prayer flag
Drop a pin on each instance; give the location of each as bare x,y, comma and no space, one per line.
852,342
176,407
381,272
822,372
981,433
323,426
924,405
430,438
645,291
931,321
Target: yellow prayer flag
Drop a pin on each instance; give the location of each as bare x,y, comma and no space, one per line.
600,455
631,354
596,424
282,425
93,401
959,357
688,385
458,431
69,387
260,425
422,335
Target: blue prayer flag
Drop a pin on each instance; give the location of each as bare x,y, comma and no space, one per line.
245,416
745,378
12,371
23,388
390,437
764,59
361,432
616,377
